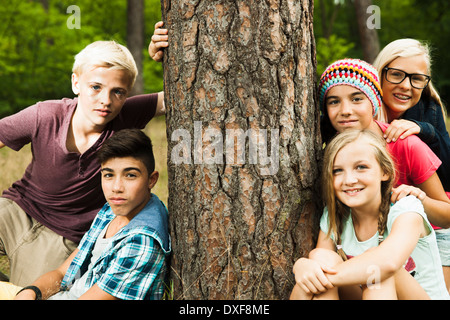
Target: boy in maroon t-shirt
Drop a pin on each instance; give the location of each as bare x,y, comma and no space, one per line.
44,215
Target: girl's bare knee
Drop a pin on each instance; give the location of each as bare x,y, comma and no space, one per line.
326,256
384,290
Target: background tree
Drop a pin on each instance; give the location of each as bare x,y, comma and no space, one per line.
135,39
240,65
368,34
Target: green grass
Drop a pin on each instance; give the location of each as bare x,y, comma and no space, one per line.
156,130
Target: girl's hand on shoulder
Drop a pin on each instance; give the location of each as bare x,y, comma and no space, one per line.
405,190
311,276
400,129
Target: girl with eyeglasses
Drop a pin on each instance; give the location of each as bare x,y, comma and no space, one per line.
412,105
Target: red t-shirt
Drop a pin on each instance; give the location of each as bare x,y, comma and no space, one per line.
415,162
61,189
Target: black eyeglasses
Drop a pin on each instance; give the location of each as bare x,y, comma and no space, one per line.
396,76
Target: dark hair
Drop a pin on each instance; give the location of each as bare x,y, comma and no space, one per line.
326,128
128,143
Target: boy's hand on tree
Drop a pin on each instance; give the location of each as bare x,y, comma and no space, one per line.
159,42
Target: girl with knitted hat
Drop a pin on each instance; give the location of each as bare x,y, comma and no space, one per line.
372,239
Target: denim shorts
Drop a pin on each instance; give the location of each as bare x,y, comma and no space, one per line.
443,241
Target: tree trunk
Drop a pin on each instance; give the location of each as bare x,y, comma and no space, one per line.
45,4
135,39
368,33
242,210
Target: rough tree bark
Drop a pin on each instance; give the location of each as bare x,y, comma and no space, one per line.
249,65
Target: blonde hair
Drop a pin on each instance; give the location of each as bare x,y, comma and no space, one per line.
107,54
337,211
406,48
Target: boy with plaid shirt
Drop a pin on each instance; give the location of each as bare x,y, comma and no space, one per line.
123,255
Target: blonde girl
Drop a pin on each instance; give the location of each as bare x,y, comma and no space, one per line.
364,242
411,104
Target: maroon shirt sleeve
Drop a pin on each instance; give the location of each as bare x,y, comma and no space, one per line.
18,129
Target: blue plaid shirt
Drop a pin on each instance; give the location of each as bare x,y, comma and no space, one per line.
133,265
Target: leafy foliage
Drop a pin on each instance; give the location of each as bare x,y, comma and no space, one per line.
37,48
330,50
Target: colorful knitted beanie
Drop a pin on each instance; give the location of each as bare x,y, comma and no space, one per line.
355,73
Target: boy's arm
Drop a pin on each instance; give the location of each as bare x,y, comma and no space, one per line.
156,52
1,144
160,106
48,283
434,199
436,202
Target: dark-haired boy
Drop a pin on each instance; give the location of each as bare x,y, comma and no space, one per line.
123,255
